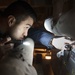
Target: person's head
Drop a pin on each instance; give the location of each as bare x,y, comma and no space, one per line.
20,17
48,24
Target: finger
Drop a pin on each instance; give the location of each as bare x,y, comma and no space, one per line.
73,43
5,41
7,47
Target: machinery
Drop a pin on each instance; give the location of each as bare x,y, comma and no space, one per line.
68,59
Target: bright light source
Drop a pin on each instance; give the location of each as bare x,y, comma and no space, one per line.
47,57
26,43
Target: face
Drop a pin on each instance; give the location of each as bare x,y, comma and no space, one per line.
19,31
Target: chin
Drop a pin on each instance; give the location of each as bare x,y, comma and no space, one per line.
18,38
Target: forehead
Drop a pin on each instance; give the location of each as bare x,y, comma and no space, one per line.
27,22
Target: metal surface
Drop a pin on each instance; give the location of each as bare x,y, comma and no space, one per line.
69,61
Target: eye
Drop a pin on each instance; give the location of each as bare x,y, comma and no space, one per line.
26,27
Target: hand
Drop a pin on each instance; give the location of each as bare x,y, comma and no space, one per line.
5,47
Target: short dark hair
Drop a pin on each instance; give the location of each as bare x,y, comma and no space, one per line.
20,10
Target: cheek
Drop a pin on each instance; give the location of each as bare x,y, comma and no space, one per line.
16,32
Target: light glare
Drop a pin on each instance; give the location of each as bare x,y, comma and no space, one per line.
48,57
26,43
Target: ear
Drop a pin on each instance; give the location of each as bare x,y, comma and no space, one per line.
11,20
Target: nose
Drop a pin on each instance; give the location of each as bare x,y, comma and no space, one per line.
26,33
